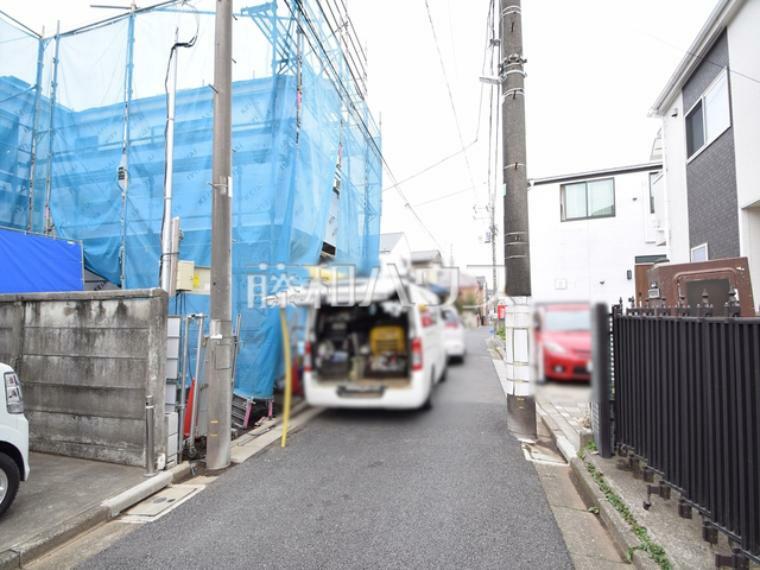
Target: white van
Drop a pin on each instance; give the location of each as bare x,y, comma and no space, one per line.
383,350
14,438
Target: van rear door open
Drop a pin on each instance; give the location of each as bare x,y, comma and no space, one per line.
366,347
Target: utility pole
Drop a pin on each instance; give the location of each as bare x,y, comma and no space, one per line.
493,184
220,346
521,409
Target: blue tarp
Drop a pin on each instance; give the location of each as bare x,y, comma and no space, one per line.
82,138
39,264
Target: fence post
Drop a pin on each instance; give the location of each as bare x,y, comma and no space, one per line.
601,417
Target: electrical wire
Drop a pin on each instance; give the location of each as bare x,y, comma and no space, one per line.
701,58
345,96
444,197
491,188
450,93
430,167
477,133
448,157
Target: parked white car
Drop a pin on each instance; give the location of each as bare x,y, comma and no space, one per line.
380,351
453,334
14,438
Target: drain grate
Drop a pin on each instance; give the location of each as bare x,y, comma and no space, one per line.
158,505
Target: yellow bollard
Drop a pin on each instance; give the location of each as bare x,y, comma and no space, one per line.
288,376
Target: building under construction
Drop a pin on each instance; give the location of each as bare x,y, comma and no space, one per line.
83,152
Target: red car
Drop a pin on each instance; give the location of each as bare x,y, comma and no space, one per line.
563,340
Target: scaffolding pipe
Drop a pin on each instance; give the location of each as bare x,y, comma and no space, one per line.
33,157
123,172
48,220
167,259
183,388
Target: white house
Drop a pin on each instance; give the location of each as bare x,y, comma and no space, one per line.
710,110
427,266
395,252
588,231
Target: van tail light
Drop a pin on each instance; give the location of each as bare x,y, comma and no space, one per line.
452,325
307,366
14,401
417,354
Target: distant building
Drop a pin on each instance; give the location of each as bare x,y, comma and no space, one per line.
427,265
589,230
710,111
395,251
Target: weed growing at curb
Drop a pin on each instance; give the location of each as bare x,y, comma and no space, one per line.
654,550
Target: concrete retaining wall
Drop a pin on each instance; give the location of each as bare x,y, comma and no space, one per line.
87,361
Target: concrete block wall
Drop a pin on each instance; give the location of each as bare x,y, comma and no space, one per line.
87,361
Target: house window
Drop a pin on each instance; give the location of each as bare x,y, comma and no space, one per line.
709,117
699,253
590,199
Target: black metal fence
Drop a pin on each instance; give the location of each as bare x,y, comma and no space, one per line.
687,407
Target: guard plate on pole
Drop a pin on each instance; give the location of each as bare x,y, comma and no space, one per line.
601,416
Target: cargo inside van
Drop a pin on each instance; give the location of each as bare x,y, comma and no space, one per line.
367,345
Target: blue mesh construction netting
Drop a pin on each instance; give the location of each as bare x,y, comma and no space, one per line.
82,143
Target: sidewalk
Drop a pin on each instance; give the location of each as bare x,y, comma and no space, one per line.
66,497
60,490
587,541
562,411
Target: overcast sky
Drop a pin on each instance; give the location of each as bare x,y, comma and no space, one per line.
594,68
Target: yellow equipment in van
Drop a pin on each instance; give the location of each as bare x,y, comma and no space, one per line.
387,338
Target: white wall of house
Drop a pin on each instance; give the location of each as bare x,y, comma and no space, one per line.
398,258
589,259
745,104
676,198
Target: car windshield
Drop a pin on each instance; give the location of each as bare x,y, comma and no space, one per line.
576,320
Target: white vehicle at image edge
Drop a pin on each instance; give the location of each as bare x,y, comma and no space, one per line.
14,438
453,334
384,350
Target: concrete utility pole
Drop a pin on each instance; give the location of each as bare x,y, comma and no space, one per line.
521,408
221,342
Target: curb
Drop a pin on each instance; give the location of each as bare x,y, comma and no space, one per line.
622,536
25,552
565,447
620,532
247,449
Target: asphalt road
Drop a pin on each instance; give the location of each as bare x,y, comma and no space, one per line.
445,488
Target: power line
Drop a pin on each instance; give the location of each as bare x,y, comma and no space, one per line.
451,95
448,157
444,197
430,166
345,96
704,58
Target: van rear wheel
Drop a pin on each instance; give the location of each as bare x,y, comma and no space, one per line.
9,481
